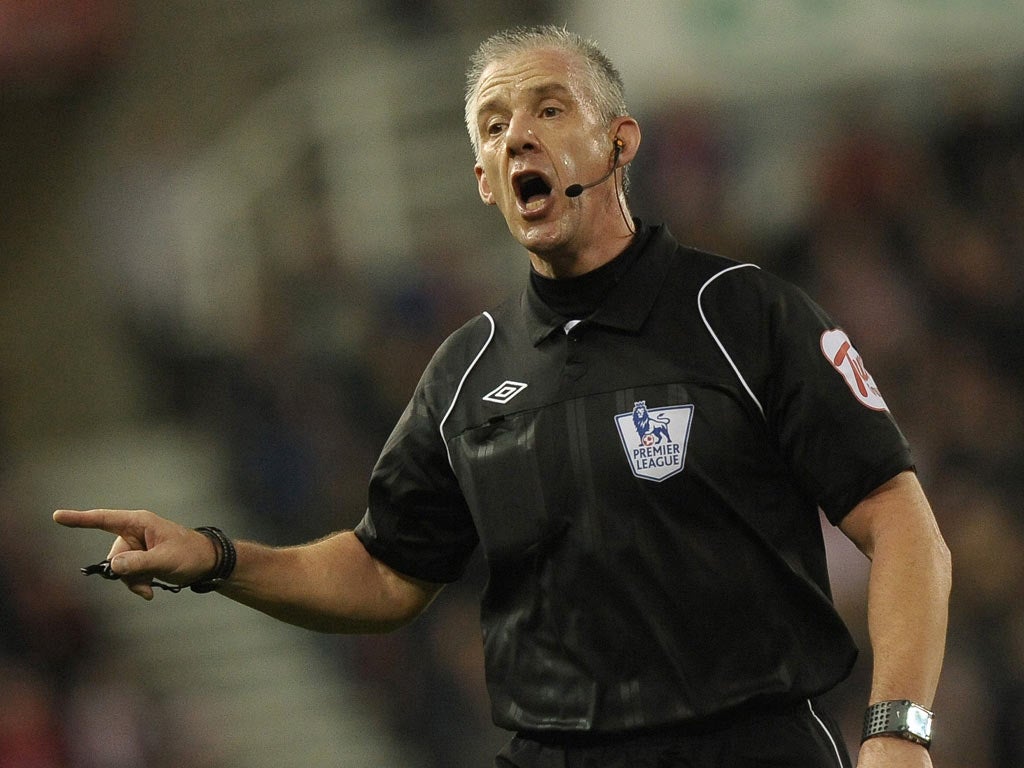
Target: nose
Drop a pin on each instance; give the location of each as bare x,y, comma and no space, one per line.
519,136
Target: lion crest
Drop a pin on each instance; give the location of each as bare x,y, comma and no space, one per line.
650,429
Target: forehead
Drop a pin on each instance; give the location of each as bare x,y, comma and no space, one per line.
530,72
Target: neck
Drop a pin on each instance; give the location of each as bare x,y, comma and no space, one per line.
576,259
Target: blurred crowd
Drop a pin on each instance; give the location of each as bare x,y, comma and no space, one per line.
912,239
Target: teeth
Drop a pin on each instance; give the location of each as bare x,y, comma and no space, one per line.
533,192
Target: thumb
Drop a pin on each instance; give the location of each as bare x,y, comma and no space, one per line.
136,570
136,562
177,560
133,567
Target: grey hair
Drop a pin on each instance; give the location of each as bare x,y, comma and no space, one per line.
604,80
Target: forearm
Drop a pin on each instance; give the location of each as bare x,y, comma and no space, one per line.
908,595
332,585
907,607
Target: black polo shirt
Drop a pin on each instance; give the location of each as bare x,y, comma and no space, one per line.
645,487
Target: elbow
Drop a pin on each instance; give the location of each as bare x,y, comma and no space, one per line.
350,625
944,565
395,618
394,609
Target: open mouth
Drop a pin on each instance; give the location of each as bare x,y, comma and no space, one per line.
533,191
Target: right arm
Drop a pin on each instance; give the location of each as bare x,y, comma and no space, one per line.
330,585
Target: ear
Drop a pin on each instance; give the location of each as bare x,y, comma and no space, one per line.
626,129
482,185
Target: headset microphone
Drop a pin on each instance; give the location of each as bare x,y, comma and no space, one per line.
575,190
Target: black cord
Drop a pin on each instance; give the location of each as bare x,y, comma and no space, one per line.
620,192
103,569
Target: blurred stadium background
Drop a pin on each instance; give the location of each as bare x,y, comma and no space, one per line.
232,232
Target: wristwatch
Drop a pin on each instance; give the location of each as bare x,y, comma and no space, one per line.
903,719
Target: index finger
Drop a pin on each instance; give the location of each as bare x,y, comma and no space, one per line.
109,520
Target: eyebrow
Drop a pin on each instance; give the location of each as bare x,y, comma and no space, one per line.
537,92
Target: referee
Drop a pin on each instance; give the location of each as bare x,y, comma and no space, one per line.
640,442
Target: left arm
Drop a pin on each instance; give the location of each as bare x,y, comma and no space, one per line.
908,597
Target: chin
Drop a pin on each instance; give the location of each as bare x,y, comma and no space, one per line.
541,237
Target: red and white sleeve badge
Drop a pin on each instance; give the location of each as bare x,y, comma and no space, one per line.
838,350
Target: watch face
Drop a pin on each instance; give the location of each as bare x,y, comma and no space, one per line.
919,721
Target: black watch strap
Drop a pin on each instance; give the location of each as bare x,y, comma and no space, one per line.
902,719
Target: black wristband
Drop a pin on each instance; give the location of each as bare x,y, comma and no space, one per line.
225,565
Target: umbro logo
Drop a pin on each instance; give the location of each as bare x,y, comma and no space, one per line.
504,392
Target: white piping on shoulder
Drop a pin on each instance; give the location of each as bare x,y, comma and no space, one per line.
728,357
831,738
462,381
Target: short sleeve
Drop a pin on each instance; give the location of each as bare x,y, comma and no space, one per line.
822,406
417,520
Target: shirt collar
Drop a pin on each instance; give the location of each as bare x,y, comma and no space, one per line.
627,304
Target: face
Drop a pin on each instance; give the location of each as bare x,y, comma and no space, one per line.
539,133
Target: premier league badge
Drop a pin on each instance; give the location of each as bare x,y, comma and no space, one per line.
655,440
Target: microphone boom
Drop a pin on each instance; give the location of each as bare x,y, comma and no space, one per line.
575,190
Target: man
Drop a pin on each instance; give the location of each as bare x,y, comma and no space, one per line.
640,442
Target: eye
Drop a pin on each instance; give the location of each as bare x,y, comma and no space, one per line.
495,128
550,112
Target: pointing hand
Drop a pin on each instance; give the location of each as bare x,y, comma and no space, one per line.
147,547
